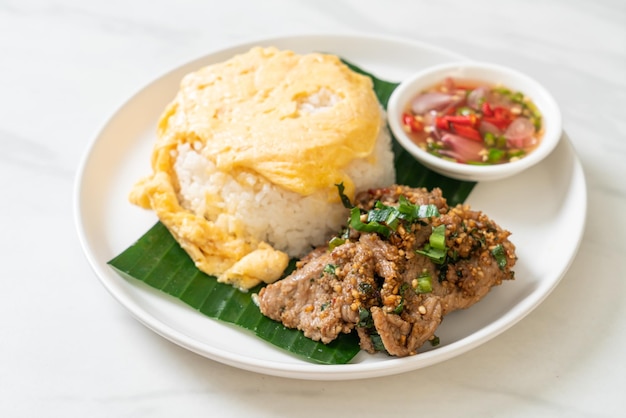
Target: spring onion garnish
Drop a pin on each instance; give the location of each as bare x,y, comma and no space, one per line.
424,283
434,341
400,307
384,219
365,288
500,256
345,200
438,237
377,341
437,256
365,318
436,248
357,224
329,269
335,242
387,215
411,212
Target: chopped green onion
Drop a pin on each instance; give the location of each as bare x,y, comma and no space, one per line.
357,224
398,309
345,200
403,287
411,212
434,341
490,139
427,211
502,90
323,306
383,219
365,288
533,108
424,283
500,256
329,269
365,318
335,242
517,97
438,237
387,215
436,249
377,342
436,255
494,155
464,111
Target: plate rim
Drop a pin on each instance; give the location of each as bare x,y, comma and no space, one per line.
307,371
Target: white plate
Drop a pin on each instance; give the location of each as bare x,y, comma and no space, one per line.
545,208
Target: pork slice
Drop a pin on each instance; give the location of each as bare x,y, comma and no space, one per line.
390,196
321,297
403,334
471,277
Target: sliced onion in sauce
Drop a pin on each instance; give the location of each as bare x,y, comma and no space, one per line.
431,101
485,127
476,96
462,149
520,133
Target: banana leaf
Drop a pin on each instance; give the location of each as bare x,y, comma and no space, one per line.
157,260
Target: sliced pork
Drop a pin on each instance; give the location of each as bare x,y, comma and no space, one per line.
383,281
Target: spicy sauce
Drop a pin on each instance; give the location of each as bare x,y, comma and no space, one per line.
473,123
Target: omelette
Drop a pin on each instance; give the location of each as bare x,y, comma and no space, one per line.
267,119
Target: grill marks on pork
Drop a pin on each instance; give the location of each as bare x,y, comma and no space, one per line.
369,282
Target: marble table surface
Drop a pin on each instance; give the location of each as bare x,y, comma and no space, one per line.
68,349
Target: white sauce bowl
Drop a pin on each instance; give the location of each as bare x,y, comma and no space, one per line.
491,74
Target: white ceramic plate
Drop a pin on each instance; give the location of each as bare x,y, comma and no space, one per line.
545,208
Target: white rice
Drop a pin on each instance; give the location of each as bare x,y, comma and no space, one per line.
286,220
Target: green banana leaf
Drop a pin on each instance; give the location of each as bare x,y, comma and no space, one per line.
157,260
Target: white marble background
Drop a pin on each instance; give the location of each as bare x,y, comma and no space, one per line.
68,349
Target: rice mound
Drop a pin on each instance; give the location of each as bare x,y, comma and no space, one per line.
288,221
248,154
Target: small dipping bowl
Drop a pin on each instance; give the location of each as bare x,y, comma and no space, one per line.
491,75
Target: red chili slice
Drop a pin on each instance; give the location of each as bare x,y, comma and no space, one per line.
502,113
467,132
502,124
442,123
468,120
487,110
410,122
502,117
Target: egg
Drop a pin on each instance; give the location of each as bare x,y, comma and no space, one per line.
268,123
